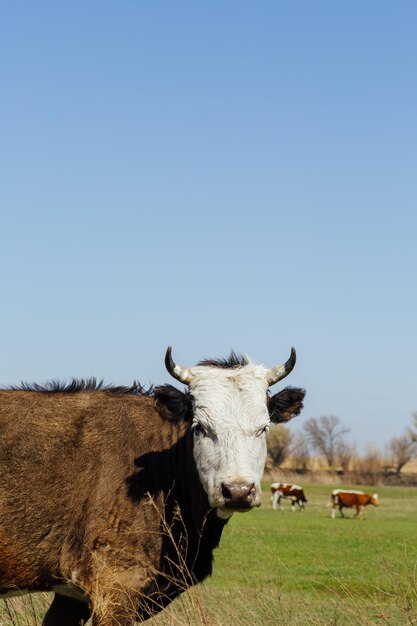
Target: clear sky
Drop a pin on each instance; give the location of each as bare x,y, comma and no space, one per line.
213,175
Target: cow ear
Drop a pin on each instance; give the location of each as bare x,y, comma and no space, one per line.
172,404
286,404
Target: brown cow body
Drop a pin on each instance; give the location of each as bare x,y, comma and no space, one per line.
96,497
350,498
295,493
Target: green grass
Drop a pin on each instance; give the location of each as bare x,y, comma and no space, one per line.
316,564
279,568
310,549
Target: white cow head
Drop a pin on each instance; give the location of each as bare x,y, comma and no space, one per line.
231,411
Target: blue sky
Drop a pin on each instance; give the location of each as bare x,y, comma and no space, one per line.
213,176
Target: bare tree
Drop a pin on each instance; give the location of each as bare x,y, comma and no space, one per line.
368,468
299,452
278,443
345,452
402,450
325,434
413,431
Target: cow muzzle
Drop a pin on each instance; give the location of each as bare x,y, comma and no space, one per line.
239,496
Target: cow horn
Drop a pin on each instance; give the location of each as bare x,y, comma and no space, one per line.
278,373
180,373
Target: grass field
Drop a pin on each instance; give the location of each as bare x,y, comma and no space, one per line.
282,568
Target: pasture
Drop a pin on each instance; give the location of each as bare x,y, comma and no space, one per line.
307,568
283,568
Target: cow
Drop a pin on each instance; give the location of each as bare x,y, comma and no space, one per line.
350,498
295,493
114,498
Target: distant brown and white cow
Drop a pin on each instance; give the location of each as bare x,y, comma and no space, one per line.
115,497
350,498
295,493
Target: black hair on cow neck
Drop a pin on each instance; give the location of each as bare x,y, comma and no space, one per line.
83,384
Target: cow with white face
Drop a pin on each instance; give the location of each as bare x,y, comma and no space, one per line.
155,475
231,413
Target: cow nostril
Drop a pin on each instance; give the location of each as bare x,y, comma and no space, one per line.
247,490
226,492
251,492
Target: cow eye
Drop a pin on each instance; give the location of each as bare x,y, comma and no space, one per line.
198,429
263,430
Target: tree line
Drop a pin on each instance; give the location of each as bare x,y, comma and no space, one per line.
327,437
